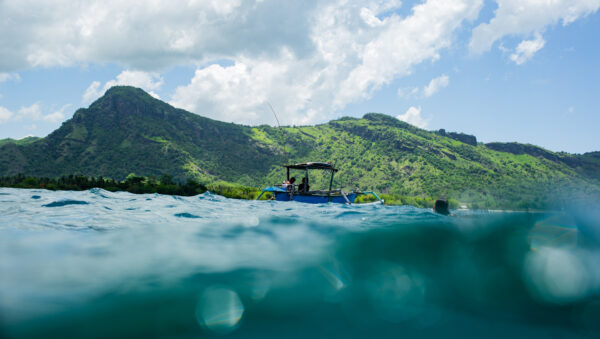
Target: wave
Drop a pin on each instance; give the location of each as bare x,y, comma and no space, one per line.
270,270
65,202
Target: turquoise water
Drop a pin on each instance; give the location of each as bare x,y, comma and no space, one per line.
102,264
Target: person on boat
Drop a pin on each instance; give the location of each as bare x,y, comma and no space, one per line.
289,184
304,187
441,206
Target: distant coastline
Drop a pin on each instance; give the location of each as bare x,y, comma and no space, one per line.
166,185
129,131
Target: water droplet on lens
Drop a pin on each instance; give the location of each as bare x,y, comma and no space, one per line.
260,286
219,309
396,294
335,275
557,275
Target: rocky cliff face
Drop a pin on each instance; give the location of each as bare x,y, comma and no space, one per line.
462,137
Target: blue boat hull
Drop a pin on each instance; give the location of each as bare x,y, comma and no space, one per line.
314,199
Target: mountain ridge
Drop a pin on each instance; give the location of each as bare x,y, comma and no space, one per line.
128,131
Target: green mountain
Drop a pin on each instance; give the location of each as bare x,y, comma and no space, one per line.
128,131
23,141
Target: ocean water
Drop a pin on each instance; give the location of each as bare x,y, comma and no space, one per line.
99,264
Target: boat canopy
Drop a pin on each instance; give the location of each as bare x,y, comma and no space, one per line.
288,191
312,165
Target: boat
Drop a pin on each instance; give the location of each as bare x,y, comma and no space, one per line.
292,192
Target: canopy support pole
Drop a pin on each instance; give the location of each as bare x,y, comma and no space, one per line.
330,186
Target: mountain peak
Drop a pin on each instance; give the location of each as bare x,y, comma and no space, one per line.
385,119
128,100
126,91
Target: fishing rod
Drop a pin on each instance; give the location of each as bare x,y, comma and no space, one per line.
282,134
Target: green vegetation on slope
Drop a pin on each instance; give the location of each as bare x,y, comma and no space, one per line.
128,131
23,141
383,154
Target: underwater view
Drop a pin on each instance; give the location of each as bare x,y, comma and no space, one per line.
102,264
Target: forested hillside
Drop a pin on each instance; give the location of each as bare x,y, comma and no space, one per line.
128,131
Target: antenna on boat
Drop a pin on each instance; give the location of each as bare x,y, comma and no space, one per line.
282,134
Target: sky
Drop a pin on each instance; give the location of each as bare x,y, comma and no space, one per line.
507,70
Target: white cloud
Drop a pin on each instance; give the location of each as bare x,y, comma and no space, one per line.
526,49
237,93
148,81
309,58
403,43
34,113
435,85
5,115
527,17
58,115
92,92
9,76
413,117
148,35
430,89
355,53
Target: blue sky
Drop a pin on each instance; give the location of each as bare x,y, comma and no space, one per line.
505,70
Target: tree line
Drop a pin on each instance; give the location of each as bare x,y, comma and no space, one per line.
133,184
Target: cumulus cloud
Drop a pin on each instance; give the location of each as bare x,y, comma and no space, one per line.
309,58
5,115
413,117
58,115
92,93
148,81
403,43
435,85
526,49
147,35
527,17
9,76
355,53
430,89
34,113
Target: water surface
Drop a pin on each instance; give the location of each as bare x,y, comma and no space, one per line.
102,264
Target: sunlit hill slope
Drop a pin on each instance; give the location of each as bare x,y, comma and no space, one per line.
128,131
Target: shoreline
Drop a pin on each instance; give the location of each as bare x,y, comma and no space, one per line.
251,196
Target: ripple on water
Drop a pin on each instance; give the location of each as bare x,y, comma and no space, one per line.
65,202
218,265
187,215
348,214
